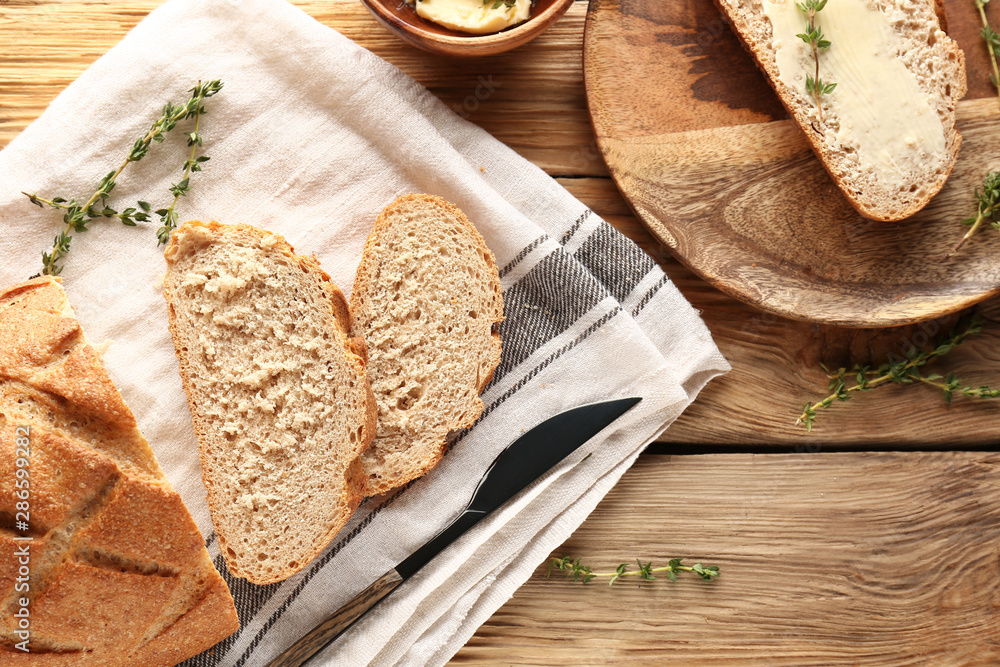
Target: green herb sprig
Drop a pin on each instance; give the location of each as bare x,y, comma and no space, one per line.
168,216
815,85
992,40
988,194
582,573
509,4
904,371
77,216
988,209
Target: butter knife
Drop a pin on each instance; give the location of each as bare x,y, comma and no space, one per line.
522,462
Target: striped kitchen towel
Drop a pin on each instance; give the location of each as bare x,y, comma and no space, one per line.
311,137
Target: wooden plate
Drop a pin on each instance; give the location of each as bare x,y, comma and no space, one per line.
702,149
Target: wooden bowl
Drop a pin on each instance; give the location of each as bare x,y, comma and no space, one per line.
403,20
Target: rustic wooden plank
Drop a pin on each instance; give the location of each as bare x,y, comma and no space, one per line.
540,110
826,559
531,98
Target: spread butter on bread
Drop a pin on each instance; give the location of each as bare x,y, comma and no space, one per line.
427,301
886,133
278,393
117,571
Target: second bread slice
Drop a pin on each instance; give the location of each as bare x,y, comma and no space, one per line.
427,301
278,394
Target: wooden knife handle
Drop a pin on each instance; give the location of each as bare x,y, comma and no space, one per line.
330,629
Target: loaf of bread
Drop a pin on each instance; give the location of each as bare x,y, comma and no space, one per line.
278,393
116,572
886,133
427,302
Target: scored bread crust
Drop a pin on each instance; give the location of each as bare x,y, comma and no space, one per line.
400,454
189,240
118,573
945,76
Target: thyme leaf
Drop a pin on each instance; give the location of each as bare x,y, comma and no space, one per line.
813,37
987,195
77,216
578,572
862,378
987,210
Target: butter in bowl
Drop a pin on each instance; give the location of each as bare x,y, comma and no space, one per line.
478,17
467,27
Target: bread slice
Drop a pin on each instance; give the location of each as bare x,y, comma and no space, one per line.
427,301
278,393
118,574
886,133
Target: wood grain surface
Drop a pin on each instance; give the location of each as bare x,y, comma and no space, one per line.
703,150
538,107
533,99
827,558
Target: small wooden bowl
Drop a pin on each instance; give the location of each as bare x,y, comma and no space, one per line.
403,20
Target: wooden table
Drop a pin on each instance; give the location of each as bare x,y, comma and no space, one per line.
872,540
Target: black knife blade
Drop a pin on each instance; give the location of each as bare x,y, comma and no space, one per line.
522,462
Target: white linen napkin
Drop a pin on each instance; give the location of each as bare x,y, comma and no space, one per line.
311,137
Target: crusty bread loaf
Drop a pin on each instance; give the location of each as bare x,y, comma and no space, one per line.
427,301
278,393
882,185
118,574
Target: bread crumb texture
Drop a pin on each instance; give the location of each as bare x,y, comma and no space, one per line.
279,398
118,573
427,301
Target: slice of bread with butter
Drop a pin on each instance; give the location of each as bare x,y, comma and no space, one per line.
886,133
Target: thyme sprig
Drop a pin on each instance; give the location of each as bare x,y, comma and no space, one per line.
988,209
815,85
509,4
992,40
168,216
988,195
582,573
77,216
904,371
